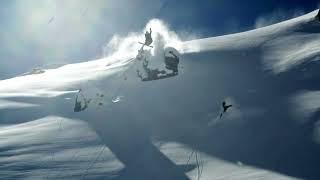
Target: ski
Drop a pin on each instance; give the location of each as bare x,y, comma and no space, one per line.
145,44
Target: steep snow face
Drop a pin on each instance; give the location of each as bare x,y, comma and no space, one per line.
283,45
62,148
267,74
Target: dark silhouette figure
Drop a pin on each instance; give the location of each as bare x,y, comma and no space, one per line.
148,38
51,19
318,16
225,108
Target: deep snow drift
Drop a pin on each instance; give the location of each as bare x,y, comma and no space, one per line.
144,130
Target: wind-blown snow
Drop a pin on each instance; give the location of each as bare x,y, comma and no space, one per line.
284,44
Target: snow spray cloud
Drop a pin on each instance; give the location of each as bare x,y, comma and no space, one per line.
127,47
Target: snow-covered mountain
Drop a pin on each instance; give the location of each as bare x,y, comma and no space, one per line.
135,129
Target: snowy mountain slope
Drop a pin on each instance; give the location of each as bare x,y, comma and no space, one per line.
63,148
268,74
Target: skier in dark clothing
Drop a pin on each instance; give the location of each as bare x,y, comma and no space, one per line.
148,37
225,108
148,40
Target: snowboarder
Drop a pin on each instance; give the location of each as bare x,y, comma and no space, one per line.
78,105
225,108
172,62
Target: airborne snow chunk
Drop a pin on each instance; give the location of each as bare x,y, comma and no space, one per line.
81,102
117,99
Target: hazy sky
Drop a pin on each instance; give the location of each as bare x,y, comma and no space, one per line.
35,33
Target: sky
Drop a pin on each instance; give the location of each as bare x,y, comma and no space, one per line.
49,33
